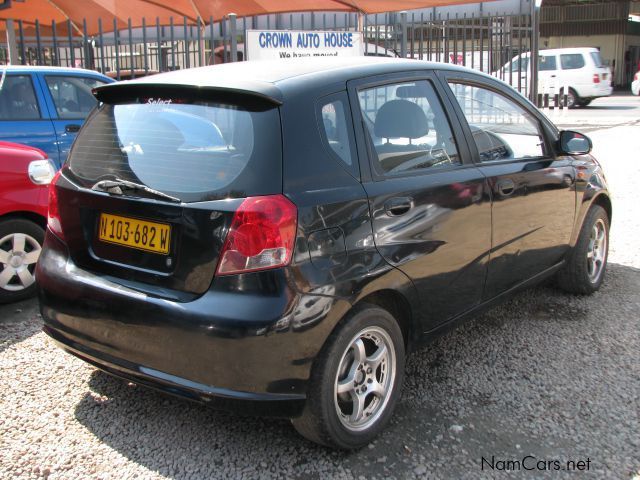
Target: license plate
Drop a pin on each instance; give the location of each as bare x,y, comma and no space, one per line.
134,233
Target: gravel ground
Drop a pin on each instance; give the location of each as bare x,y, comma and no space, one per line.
548,375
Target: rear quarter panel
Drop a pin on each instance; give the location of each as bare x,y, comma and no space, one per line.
17,192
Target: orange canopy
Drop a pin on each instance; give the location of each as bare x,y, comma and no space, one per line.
78,11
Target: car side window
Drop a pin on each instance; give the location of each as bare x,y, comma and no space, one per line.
546,63
501,129
336,125
18,99
72,96
408,128
571,61
92,82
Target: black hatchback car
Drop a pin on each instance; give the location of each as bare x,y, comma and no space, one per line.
276,237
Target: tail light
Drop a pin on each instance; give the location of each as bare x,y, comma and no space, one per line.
636,76
596,78
53,217
261,235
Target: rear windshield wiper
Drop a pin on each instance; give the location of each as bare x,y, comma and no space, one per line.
118,186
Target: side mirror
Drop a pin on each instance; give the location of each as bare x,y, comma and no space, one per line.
574,143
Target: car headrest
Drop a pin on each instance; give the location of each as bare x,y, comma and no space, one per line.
401,119
162,132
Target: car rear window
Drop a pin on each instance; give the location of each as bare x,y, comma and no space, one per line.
597,59
197,151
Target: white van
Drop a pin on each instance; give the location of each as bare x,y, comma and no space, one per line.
578,71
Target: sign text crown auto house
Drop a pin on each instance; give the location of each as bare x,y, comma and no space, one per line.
270,44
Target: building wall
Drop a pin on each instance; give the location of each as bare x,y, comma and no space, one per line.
632,45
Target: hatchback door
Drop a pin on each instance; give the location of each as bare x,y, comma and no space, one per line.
70,100
24,116
153,182
431,215
602,70
533,191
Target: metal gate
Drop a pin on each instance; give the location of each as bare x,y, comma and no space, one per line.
499,45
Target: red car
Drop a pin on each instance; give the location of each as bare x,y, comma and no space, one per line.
25,174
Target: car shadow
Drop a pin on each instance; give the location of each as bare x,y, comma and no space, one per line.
173,437
18,321
608,107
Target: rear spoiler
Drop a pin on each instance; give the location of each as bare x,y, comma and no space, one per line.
256,93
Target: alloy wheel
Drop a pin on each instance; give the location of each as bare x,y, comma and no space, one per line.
19,253
597,251
365,379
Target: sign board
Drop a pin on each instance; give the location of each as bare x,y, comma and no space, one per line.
275,44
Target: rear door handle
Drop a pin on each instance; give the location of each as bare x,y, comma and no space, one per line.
397,206
506,187
72,128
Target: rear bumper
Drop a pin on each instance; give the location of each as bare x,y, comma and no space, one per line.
246,346
277,405
602,89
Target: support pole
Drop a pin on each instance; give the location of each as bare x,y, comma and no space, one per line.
403,33
233,33
533,56
11,43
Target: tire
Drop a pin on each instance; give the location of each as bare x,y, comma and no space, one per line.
573,99
20,246
329,417
587,262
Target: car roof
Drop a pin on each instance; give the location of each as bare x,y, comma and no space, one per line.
556,51
276,79
552,51
275,71
48,69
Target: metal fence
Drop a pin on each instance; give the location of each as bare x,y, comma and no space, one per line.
495,44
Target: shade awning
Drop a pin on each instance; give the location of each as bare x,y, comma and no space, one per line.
116,14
